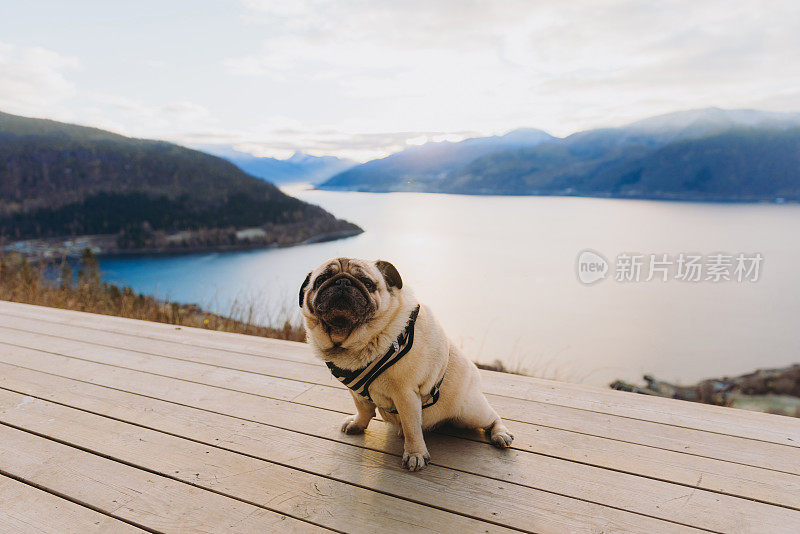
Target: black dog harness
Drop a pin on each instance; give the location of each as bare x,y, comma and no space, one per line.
359,380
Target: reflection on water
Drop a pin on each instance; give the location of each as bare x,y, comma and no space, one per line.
499,272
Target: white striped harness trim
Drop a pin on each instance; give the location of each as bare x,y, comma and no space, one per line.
359,380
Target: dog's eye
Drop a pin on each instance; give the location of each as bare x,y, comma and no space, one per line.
321,280
369,284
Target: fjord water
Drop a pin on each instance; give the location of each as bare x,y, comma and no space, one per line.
500,275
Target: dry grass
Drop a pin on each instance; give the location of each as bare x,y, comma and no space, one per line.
537,367
530,362
56,285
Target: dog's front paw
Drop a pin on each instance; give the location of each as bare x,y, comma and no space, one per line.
502,438
351,427
414,461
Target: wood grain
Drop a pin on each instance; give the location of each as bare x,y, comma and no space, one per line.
610,488
143,498
180,429
466,493
766,427
25,509
283,490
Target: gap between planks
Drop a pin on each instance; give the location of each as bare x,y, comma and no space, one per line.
131,494
318,398
738,506
427,485
27,507
731,417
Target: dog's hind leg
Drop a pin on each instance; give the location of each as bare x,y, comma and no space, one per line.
478,413
499,434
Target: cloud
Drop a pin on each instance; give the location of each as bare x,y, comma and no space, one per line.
561,66
156,64
36,81
135,117
186,110
364,78
33,77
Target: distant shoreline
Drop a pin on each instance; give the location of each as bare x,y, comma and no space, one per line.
777,201
54,248
322,238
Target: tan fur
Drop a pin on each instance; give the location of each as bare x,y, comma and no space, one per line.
403,385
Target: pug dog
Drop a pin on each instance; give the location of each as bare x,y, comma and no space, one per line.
393,355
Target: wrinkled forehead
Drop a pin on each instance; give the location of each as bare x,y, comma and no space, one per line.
346,265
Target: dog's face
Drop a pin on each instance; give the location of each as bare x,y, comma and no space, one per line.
341,297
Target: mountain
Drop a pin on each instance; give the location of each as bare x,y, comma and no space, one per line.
417,168
687,155
741,164
61,179
700,122
690,124
690,155
298,168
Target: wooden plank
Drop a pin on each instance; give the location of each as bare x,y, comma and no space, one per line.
229,378
311,371
729,421
501,383
661,437
25,509
730,478
145,499
202,337
766,427
748,452
317,499
509,504
746,425
648,497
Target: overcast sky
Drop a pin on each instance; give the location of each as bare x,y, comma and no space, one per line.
361,79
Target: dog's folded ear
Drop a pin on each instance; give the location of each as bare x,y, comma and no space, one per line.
390,274
303,288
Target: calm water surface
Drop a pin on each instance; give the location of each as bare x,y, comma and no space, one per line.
499,272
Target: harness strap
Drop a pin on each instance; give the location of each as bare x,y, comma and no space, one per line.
359,380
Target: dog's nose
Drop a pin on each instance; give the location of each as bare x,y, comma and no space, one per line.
343,282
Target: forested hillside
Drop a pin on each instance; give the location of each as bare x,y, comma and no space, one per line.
59,179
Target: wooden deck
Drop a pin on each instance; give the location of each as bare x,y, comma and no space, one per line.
115,425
